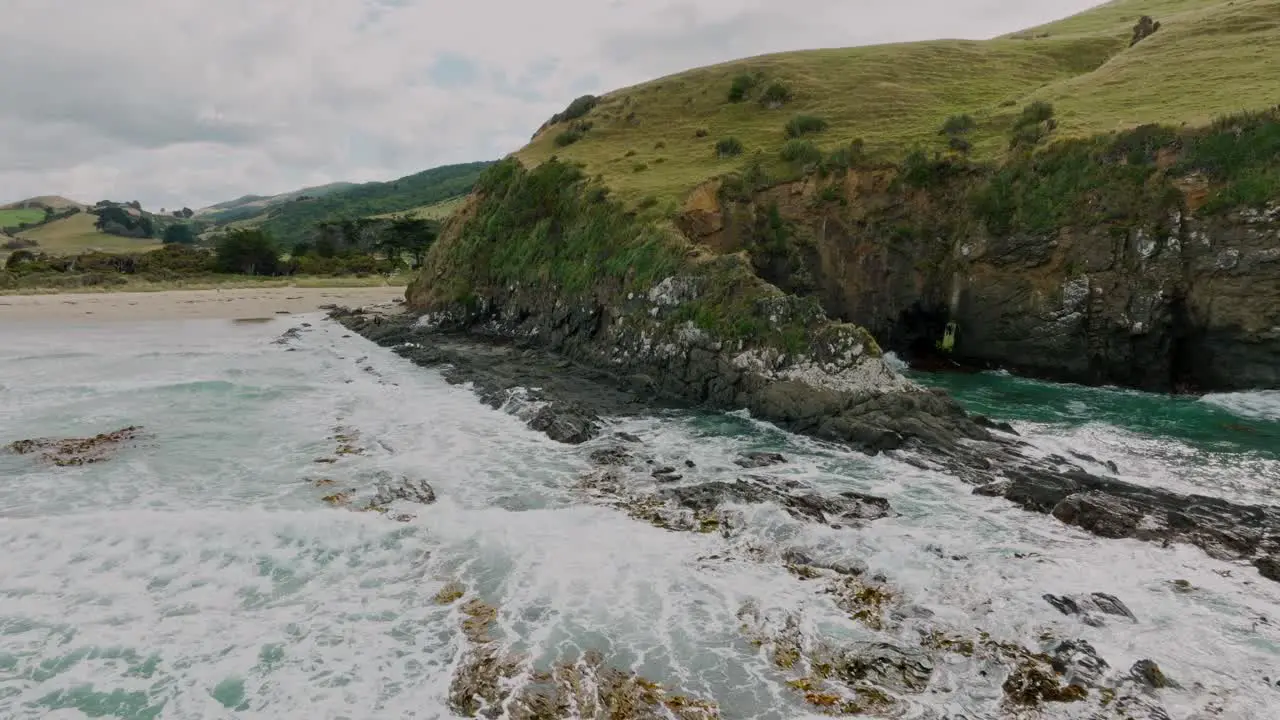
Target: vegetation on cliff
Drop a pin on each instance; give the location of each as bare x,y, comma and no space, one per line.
552,233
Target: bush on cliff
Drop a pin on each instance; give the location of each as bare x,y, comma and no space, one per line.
538,227
801,125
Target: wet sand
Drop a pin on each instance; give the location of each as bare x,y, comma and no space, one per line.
228,303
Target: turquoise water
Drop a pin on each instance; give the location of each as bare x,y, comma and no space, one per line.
201,575
1235,422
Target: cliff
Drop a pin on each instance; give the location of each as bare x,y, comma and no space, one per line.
1149,258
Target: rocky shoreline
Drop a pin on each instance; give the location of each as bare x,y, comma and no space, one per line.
924,428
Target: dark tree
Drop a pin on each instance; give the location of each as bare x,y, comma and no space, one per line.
247,252
179,234
187,213
408,236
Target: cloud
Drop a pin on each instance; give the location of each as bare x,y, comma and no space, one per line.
188,102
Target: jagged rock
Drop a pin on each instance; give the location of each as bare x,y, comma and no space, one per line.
841,566
1085,607
1111,605
1033,683
1079,663
1149,674
70,452
847,399
611,456
1269,567
567,423
759,460
885,665
405,488
852,506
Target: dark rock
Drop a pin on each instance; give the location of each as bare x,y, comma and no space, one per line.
611,456
1269,567
568,423
884,665
626,437
1079,663
1111,605
1150,675
759,460
990,424
690,464
1086,607
667,474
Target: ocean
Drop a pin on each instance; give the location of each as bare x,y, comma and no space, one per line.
202,574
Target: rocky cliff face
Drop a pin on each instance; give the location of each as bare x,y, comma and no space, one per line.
1176,300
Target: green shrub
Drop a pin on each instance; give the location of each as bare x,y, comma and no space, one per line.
728,147
775,95
920,171
958,125
577,130
1032,125
579,107
741,87
801,125
846,157
639,167
700,133
801,152
537,227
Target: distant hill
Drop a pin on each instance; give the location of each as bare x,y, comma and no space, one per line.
57,202
291,220
249,206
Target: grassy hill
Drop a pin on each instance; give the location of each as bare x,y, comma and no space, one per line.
248,206
421,194
1209,58
77,234
434,211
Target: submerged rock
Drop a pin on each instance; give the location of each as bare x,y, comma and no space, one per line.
69,452
759,460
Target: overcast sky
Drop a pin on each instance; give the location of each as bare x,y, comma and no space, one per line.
189,102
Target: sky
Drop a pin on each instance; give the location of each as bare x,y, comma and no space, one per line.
191,102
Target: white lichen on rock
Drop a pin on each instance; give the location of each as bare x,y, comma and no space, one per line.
674,291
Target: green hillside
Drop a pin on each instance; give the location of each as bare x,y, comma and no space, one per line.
293,220
1209,58
77,234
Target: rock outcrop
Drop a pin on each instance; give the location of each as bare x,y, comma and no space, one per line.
1171,300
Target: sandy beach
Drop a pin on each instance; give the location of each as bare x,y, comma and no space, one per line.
228,303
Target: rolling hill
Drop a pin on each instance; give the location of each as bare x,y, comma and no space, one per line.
292,220
1209,58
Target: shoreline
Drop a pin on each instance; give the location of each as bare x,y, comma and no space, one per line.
220,303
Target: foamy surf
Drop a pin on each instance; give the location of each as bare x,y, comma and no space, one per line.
201,574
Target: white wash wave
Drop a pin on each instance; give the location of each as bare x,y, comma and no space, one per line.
201,575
